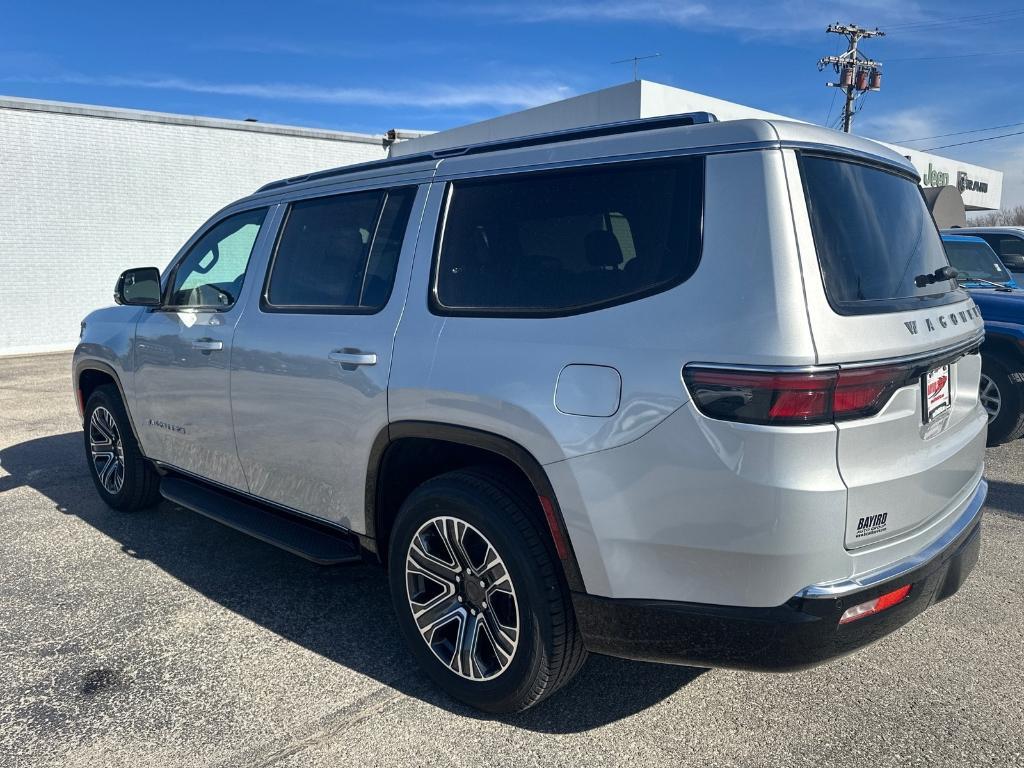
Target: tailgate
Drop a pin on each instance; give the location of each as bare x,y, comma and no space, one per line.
904,470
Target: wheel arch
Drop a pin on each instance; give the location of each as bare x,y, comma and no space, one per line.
91,374
407,453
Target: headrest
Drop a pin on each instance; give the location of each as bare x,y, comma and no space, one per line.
602,249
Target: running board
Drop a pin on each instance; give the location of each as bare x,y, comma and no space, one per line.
306,539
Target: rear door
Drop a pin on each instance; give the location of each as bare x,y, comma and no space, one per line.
871,256
310,368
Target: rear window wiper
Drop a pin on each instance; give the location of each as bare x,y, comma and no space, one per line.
940,274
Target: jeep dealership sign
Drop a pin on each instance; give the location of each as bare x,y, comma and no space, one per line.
981,188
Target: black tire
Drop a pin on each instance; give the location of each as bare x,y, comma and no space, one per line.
140,487
1008,424
550,649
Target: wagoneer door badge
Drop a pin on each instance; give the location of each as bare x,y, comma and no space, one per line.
943,320
165,425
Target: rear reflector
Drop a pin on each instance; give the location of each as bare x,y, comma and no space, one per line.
879,604
556,531
762,397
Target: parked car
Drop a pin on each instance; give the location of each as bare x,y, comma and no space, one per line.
1007,242
1002,355
524,377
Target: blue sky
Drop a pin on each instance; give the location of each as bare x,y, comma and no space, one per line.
429,65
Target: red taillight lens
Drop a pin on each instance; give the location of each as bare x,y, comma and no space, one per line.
860,392
879,604
756,397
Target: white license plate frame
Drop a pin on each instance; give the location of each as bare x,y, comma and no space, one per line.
936,393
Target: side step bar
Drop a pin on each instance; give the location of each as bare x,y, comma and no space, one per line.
307,539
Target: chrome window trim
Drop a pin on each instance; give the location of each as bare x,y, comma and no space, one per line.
951,350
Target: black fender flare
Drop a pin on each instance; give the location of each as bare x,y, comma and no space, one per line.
98,365
487,441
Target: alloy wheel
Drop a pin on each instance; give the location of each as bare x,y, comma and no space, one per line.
990,398
106,450
462,598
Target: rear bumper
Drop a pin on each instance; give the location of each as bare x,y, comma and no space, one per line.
801,633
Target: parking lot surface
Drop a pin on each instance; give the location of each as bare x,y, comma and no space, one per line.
164,639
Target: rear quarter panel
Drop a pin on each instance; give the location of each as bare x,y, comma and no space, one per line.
744,304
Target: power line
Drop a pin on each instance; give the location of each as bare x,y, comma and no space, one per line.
975,141
956,56
959,133
981,18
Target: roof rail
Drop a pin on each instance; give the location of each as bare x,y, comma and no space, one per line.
549,137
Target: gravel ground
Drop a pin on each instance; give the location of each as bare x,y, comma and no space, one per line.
164,639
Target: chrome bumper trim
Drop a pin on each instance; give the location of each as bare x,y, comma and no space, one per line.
831,589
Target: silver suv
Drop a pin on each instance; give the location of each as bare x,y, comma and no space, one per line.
676,390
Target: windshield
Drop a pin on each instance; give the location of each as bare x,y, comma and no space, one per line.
976,260
874,235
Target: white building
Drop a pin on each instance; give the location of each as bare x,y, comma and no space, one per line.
981,188
89,191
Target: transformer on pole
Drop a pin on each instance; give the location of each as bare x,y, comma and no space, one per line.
857,73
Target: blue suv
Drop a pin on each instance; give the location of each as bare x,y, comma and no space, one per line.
1002,308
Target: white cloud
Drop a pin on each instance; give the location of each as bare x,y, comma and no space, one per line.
500,95
902,124
750,18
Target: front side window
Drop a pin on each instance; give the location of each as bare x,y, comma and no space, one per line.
339,253
211,273
874,236
559,242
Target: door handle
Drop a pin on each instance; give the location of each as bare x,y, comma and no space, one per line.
207,345
350,357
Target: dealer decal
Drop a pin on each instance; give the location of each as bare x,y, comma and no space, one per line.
871,524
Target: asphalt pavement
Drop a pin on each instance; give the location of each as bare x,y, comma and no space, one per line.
164,639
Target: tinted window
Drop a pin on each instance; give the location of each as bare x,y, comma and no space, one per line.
1009,248
565,241
340,252
974,260
211,273
873,234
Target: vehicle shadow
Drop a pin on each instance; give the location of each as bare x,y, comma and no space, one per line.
1005,497
341,613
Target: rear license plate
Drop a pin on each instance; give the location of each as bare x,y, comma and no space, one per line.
936,392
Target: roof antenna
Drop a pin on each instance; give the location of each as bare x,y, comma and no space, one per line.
636,63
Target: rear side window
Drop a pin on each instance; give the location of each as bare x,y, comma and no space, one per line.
560,242
874,235
339,253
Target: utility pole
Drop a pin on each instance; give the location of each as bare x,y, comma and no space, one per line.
857,73
636,63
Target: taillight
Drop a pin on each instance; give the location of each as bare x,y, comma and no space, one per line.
762,397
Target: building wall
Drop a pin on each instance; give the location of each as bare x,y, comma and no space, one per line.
643,98
86,196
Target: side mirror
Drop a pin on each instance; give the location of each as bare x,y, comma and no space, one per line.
139,287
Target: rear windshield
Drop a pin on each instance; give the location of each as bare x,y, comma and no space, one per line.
874,235
974,260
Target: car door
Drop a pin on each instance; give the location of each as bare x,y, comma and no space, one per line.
183,351
309,372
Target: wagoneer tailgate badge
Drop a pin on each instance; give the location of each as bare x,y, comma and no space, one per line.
943,320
